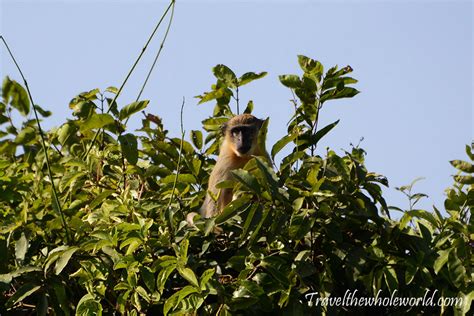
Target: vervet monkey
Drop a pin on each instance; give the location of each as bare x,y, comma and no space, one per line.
239,145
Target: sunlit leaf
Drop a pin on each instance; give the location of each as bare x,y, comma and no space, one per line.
87,305
311,66
280,144
64,259
97,121
225,74
196,137
463,165
290,81
15,95
132,108
247,179
250,76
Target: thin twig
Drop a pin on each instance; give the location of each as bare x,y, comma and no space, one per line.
237,100
146,81
179,157
43,142
130,72
157,54
156,58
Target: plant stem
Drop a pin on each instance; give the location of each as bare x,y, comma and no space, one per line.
43,143
237,99
158,53
130,72
178,167
179,157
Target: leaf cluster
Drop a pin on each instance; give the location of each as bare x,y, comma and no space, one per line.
318,222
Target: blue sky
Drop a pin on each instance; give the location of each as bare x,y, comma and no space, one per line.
413,60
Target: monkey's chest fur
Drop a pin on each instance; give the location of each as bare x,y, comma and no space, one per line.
221,172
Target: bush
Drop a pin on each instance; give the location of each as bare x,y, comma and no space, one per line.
116,240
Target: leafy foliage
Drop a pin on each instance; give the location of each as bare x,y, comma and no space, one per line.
314,224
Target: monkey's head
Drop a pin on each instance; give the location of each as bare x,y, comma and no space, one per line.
241,132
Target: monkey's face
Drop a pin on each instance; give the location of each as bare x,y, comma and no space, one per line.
244,139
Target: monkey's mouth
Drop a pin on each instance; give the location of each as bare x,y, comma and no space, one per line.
243,151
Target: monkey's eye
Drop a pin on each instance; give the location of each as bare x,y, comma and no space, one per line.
236,130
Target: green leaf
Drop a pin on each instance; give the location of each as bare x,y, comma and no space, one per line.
224,73
82,109
290,81
208,96
298,203
214,123
183,250
391,278
322,132
66,131
346,92
232,209
111,89
249,77
88,306
164,274
334,73
182,178
129,146
64,259
132,242
463,165
300,225
41,111
464,179
280,144
249,108
100,198
23,292
425,215
14,94
148,278
270,176
456,269
248,289
311,66
177,297
71,178
196,138
247,179
26,135
205,277
259,225
132,108
469,151
53,256
410,272
335,82
96,121
189,275
249,220
441,260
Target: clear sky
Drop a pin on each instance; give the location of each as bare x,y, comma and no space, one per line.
413,60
